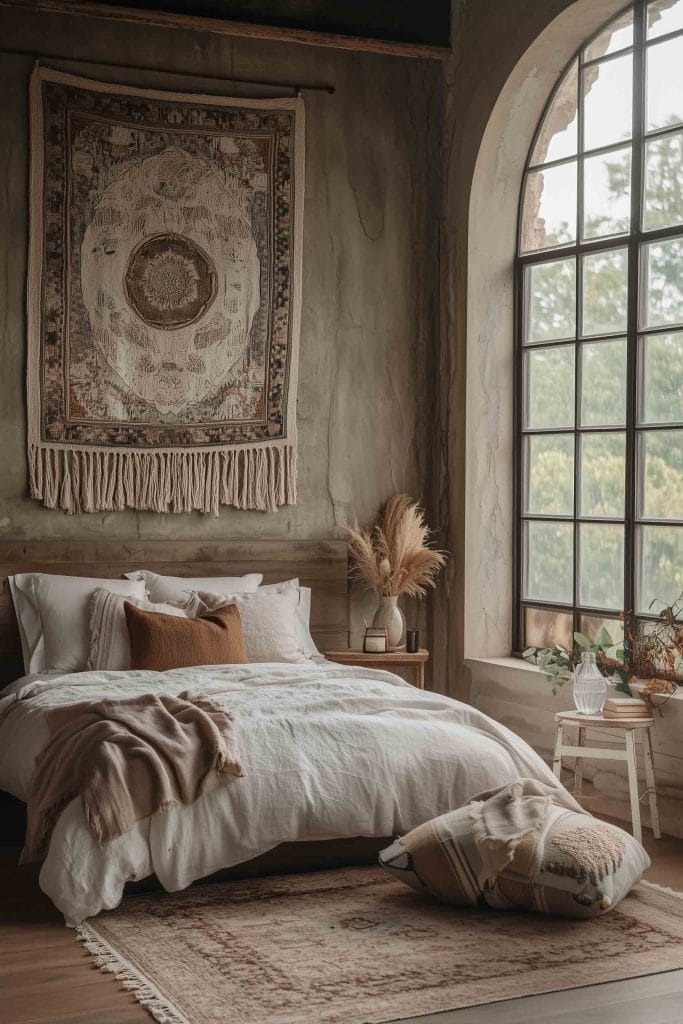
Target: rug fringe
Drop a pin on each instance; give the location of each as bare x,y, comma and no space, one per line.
87,480
662,888
111,962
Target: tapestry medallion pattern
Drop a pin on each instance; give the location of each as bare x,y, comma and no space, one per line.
164,294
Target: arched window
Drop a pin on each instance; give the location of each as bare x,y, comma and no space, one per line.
599,329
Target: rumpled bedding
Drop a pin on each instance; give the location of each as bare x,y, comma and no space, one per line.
328,752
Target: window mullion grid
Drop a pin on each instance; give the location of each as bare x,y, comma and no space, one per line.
577,345
633,243
632,467
518,454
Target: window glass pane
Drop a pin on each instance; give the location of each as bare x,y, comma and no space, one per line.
663,267
550,387
663,200
604,292
661,469
607,194
558,136
590,626
664,16
603,383
543,628
552,300
549,216
617,36
664,84
661,396
601,568
550,475
661,566
603,474
607,102
549,554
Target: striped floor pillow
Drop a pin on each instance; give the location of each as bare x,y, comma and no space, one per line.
569,863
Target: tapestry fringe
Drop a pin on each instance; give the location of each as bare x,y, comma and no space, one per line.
132,979
87,480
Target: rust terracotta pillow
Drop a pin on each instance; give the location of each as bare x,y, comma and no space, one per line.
161,642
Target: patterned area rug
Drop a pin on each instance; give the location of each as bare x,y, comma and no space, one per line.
356,946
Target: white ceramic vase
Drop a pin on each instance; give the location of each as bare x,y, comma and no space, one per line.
390,617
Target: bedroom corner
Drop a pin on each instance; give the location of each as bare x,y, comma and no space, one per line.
341,560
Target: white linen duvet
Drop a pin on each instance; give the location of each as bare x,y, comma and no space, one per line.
329,752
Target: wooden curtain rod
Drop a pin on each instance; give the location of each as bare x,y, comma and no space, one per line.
227,79
192,22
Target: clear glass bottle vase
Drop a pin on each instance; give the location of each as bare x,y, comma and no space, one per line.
590,687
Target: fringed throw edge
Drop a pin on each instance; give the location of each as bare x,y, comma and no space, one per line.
131,978
90,480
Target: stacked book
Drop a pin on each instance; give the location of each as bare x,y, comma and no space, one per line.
625,707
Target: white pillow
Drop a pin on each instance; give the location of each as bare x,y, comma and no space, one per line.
109,638
179,588
53,614
269,622
303,613
304,620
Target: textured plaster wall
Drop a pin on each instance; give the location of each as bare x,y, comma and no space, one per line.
492,100
488,38
369,279
492,228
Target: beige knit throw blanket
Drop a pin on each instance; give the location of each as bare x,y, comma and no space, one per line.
503,816
127,759
164,294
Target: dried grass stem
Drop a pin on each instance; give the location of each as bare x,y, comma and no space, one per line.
394,557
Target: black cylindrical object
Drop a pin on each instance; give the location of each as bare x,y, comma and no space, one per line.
412,641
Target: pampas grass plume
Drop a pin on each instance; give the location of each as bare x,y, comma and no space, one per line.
394,557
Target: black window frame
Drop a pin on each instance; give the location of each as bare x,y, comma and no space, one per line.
634,243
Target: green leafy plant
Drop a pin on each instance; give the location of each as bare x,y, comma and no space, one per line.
558,663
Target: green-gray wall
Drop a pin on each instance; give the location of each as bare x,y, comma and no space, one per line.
370,262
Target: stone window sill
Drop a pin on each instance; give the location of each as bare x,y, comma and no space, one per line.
515,665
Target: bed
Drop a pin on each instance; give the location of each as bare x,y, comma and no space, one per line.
331,753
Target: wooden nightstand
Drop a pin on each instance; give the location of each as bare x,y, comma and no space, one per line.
389,660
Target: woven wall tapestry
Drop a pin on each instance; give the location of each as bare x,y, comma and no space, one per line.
163,297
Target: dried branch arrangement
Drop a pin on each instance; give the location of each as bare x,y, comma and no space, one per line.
394,557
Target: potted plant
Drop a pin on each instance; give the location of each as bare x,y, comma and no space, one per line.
649,662
394,558
558,663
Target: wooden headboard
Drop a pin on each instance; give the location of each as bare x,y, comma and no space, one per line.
321,565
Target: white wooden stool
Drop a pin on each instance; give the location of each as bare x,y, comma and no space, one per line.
629,727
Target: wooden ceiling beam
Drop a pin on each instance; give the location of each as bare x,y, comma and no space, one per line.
218,26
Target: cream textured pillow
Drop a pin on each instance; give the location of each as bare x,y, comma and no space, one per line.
520,846
54,617
269,622
179,588
303,611
109,639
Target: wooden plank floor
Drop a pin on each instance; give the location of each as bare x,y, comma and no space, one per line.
46,977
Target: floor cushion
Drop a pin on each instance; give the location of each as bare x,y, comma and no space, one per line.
522,845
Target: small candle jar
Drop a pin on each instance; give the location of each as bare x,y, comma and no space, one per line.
412,641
